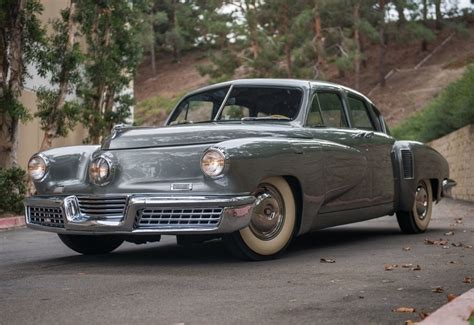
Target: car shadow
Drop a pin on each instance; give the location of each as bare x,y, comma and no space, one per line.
214,252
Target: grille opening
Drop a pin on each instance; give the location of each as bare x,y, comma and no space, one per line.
407,161
101,207
157,218
46,216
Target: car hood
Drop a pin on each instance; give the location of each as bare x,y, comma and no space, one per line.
194,134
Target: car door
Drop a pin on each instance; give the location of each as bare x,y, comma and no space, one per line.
346,175
378,147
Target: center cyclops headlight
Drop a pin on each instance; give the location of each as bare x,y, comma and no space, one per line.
37,167
101,170
213,162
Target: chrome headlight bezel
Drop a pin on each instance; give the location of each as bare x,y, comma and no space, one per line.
44,162
216,154
94,170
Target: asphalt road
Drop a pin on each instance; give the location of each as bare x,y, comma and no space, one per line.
42,282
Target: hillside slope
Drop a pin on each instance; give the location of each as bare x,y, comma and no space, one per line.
407,91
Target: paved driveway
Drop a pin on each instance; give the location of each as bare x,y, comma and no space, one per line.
43,282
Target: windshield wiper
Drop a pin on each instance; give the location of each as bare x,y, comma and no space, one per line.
265,118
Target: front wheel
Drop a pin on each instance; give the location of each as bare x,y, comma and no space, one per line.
418,218
272,224
91,245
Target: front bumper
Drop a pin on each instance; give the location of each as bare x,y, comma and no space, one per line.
141,214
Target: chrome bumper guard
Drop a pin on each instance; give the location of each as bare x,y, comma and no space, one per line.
447,185
235,213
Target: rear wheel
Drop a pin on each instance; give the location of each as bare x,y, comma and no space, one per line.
91,245
418,218
272,225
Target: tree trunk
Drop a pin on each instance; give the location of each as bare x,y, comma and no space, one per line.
424,43
250,11
382,45
318,42
356,21
438,14
153,57
176,28
400,7
51,130
13,66
287,46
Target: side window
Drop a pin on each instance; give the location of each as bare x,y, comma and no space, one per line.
314,116
359,114
332,109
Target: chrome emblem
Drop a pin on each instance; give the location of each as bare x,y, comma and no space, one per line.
182,187
71,208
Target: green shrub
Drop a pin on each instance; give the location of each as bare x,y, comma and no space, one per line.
451,110
12,189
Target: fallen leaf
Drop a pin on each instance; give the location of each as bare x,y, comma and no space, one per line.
452,262
445,247
467,279
438,290
390,267
423,314
327,260
399,289
410,322
457,244
467,246
361,297
416,268
440,242
407,266
449,233
451,297
406,249
458,220
404,310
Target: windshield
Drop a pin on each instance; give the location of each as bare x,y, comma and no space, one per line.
244,103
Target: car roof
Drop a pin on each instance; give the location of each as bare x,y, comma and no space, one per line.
279,82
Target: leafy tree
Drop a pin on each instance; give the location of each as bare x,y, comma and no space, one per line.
21,34
111,30
59,61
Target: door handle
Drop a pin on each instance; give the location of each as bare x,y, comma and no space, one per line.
369,134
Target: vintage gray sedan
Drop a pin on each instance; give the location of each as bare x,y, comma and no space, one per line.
255,162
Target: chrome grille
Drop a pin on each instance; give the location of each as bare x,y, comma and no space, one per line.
103,206
44,216
157,218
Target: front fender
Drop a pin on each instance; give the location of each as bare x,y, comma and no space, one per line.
67,167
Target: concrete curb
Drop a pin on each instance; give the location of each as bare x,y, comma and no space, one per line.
12,223
456,312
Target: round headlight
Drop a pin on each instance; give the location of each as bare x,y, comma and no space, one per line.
213,163
100,170
37,167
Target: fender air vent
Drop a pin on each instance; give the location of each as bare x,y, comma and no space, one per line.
407,161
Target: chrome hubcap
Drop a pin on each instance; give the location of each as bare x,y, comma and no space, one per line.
268,216
421,202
